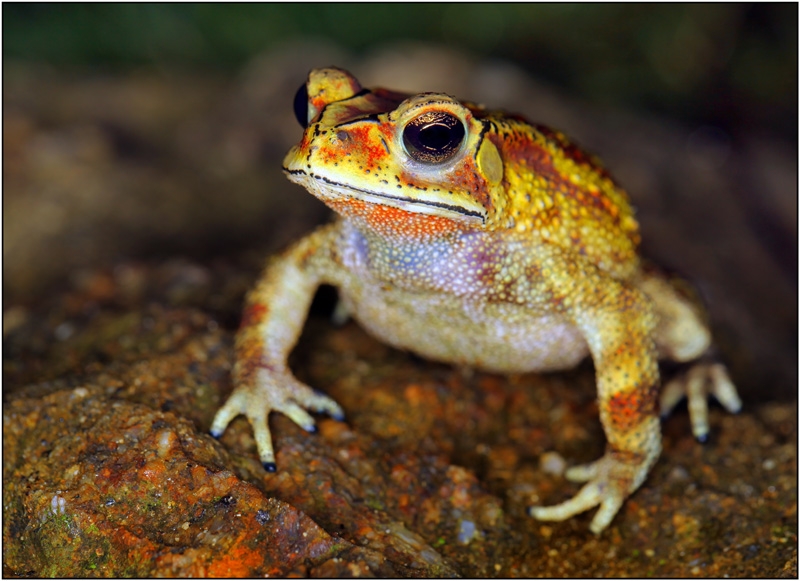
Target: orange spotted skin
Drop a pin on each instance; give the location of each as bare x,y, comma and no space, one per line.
473,237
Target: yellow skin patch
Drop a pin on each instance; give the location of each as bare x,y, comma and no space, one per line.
476,238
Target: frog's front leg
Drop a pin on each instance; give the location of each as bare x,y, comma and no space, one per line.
618,328
274,314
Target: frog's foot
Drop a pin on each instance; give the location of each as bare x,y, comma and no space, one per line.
700,381
609,481
273,391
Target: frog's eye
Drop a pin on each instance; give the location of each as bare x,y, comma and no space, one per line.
301,105
433,137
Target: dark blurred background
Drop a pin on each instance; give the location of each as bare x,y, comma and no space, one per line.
145,134
733,65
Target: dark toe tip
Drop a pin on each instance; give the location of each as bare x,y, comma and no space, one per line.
702,439
270,466
215,435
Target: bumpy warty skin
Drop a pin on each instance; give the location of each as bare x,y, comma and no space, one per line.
476,238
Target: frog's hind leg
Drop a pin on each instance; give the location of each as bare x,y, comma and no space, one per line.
682,335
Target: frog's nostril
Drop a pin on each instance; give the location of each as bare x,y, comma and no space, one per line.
342,135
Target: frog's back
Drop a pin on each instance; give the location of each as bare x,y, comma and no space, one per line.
563,194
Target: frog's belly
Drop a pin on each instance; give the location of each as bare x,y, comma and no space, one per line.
498,337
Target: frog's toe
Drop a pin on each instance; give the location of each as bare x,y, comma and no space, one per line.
583,472
263,439
671,394
609,508
319,402
298,415
588,497
723,388
702,380
236,404
298,398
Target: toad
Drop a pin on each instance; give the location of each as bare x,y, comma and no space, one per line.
474,237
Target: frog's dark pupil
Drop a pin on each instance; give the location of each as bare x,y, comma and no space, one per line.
301,106
433,137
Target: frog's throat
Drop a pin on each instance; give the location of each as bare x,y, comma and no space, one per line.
325,188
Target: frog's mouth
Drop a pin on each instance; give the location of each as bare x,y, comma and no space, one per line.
326,188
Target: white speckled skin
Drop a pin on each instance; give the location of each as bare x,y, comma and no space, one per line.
463,325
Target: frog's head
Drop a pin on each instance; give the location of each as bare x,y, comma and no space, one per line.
381,155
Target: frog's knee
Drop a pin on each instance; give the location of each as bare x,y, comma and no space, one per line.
683,339
681,333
